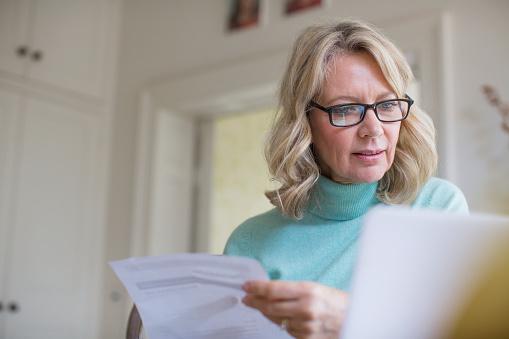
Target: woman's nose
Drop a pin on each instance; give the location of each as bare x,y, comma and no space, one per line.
370,127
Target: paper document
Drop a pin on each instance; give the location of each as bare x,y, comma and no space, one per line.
195,296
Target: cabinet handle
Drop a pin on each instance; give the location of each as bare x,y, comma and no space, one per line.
22,51
37,56
1,306
13,307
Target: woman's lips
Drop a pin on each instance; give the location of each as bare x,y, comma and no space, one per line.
369,156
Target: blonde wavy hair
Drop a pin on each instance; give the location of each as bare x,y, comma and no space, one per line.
288,148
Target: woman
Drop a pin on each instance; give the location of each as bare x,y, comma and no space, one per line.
346,138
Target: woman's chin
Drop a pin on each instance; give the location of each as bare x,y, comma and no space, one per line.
357,175
369,175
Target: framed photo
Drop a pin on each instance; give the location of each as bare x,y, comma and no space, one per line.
293,6
243,14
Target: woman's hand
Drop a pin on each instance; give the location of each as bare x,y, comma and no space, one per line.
306,309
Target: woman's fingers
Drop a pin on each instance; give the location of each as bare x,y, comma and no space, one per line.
276,320
277,289
310,310
271,307
285,298
302,329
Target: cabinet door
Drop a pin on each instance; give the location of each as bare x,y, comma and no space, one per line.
14,19
72,39
9,107
56,254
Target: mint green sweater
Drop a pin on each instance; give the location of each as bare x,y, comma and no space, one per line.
322,246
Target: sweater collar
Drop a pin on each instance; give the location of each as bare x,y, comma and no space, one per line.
332,200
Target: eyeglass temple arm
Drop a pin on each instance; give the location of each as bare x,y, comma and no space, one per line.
316,105
408,97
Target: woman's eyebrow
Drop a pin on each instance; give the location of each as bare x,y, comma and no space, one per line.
354,99
386,95
345,98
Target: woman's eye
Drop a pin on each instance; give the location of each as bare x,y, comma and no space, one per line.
349,110
388,105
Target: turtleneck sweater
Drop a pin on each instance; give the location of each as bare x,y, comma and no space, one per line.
322,245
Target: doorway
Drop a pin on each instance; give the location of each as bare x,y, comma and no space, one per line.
239,173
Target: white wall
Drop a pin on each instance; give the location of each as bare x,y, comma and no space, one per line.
481,54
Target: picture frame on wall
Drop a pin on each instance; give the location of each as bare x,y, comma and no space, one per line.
244,14
297,6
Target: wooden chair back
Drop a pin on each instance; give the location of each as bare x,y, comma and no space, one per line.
134,325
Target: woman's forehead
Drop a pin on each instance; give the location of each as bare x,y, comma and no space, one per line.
355,76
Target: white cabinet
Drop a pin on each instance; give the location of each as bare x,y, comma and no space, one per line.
9,104
52,236
54,141
59,43
14,23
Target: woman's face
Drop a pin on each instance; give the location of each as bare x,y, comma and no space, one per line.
360,153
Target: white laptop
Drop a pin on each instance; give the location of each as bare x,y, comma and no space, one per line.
415,268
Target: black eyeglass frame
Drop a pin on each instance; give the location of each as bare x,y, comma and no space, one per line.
329,110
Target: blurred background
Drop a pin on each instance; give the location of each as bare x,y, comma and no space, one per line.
132,128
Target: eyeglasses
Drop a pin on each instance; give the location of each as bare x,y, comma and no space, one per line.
346,115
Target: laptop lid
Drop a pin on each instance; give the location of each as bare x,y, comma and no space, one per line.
415,269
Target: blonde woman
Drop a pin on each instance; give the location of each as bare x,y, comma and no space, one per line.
346,137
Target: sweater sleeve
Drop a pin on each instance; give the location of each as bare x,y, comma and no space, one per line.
442,194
